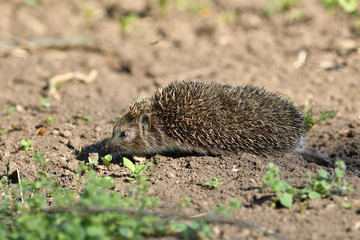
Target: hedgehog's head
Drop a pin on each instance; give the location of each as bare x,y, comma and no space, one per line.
135,133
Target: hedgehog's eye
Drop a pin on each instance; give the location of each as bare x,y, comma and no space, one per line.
123,134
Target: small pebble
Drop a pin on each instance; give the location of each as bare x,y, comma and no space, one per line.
98,129
66,134
171,175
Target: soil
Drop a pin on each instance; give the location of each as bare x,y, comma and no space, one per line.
58,37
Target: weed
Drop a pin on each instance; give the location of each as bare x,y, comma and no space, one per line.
284,192
93,162
126,22
346,205
5,131
235,204
212,183
200,9
88,13
39,158
118,117
324,184
194,230
46,102
186,202
180,4
55,85
107,159
26,145
310,122
163,4
136,171
11,109
95,212
225,18
279,6
349,6
32,2
316,187
50,120
86,118
227,211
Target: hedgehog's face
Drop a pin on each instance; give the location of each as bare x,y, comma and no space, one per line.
128,136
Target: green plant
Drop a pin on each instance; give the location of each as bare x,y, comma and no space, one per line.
32,2
284,192
325,185
46,102
212,183
346,205
43,209
349,6
163,4
50,120
316,187
55,85
88,14
136,171
39,158
200,9
226,211
11,109
186,202
126,22
26,145
180,4
225,18
107,159
279,6
86,118
93,162
118,117
310,122
196,229
5,131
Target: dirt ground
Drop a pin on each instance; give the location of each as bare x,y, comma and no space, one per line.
232,42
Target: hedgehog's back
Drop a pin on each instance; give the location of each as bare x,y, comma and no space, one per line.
222,118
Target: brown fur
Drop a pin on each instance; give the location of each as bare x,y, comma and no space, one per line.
209,118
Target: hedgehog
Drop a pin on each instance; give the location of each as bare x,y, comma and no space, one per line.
208,118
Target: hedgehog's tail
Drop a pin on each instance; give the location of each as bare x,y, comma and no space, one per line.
314,155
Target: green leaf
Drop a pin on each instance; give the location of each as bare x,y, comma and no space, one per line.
346,205
339,173
286,200
278,185
340,164
324,174
144,167
129,164
235,204
86,118
46,102
348,5
314,195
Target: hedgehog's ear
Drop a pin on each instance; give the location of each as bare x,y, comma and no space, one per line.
145,122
